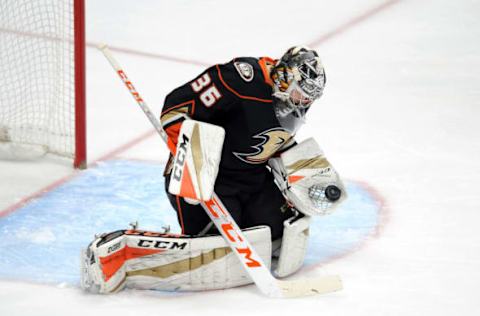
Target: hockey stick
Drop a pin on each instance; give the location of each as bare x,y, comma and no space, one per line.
250,260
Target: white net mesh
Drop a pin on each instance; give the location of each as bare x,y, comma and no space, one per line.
37,89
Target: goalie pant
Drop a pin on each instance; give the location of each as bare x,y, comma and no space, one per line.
262,204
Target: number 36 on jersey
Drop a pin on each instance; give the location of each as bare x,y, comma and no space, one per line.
209,93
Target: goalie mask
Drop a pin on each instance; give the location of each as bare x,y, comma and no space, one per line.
299,79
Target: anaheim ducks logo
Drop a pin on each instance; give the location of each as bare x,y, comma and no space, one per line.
271,141
245,70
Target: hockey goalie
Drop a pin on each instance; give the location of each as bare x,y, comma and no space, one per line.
230,131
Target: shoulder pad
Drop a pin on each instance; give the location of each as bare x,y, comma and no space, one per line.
244,77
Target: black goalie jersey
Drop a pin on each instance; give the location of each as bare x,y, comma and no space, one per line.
238,97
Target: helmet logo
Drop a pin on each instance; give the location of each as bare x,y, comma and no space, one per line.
245,70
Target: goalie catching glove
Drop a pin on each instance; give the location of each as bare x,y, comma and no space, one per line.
307,180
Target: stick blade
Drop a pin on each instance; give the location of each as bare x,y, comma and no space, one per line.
308,287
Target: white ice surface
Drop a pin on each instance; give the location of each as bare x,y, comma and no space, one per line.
400,111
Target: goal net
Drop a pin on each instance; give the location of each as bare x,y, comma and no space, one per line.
42,79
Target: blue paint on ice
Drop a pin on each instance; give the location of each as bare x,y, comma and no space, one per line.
41,242
345,229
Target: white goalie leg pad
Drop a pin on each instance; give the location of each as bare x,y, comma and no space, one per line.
196,162
146,260
307,179
294,245
94,276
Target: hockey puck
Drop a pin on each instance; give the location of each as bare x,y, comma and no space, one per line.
333,193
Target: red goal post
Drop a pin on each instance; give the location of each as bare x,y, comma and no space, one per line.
42,81
80,157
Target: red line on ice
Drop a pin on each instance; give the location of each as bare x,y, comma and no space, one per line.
153,55
351,23
39,193
113,48
126,146
63,180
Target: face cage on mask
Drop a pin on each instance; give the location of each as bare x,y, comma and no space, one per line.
298,98
300,94
313,78
294,100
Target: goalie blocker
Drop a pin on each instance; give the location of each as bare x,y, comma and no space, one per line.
196,161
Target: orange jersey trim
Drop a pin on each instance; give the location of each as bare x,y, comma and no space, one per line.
172,132
266,73
238,94
179,106
180,215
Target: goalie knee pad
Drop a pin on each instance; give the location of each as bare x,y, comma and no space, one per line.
294,245
146,260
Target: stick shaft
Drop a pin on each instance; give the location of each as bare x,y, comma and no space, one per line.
156,124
